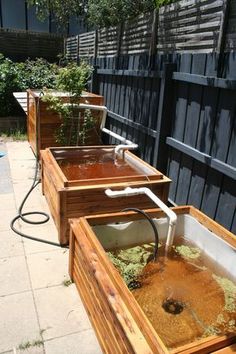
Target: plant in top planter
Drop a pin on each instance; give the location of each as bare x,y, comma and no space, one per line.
76,123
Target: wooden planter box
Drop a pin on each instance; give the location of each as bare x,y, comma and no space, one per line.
80,196
48,121
119,321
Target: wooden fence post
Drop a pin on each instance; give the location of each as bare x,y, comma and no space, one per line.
120,31
77,49
153,42
95,46
94,76
164,117
222,35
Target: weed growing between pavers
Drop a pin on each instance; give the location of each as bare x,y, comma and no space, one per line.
67,282
28,344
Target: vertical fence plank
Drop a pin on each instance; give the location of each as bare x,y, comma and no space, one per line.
195,96
178,124
164,117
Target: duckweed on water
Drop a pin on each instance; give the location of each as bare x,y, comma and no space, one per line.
130,262
220,319
188,252
210,331
229,292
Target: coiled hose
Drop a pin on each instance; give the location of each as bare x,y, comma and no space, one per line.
153,227
22,216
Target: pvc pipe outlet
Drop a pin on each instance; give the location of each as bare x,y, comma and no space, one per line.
137,191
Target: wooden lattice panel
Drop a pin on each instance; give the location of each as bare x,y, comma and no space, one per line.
190,25
137,35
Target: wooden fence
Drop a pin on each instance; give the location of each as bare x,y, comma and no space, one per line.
175,95
187,25
183,116
20,45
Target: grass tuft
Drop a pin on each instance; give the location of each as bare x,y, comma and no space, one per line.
67,282
28,344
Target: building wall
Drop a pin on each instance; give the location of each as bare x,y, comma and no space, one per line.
15,14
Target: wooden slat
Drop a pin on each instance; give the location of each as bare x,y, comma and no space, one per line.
205,80
218,165
21,98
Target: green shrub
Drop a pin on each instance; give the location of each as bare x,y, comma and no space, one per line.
36,74
21,76
8,84
75,125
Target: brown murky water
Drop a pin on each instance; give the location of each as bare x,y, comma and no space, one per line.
185,298
94,166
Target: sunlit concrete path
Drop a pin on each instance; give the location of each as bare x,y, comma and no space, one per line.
39,313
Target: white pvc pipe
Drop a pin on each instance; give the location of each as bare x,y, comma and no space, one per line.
121,147
137,191
127,144
97,108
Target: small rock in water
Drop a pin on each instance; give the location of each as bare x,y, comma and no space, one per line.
134,284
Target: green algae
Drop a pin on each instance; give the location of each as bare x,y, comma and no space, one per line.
211,331
220,319
229,290
188,252
130,262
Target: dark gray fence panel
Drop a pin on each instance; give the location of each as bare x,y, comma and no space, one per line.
204,120
201,134
132,100
72,48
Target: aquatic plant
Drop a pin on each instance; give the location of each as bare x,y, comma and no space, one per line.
188,252
130,262
229,290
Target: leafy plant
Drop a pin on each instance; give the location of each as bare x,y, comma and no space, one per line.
75,124
8,84
103,13
98,13
21,76
37,73
60,10
14,135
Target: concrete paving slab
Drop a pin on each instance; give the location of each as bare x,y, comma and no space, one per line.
26,263
18,321
7,201
11,244
35,199
60,311
19,150
46,232
48,268
14,276
22,173
34,347
32,350
6,218
5,182
84,342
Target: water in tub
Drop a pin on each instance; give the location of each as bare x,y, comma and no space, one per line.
96,164
186,294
